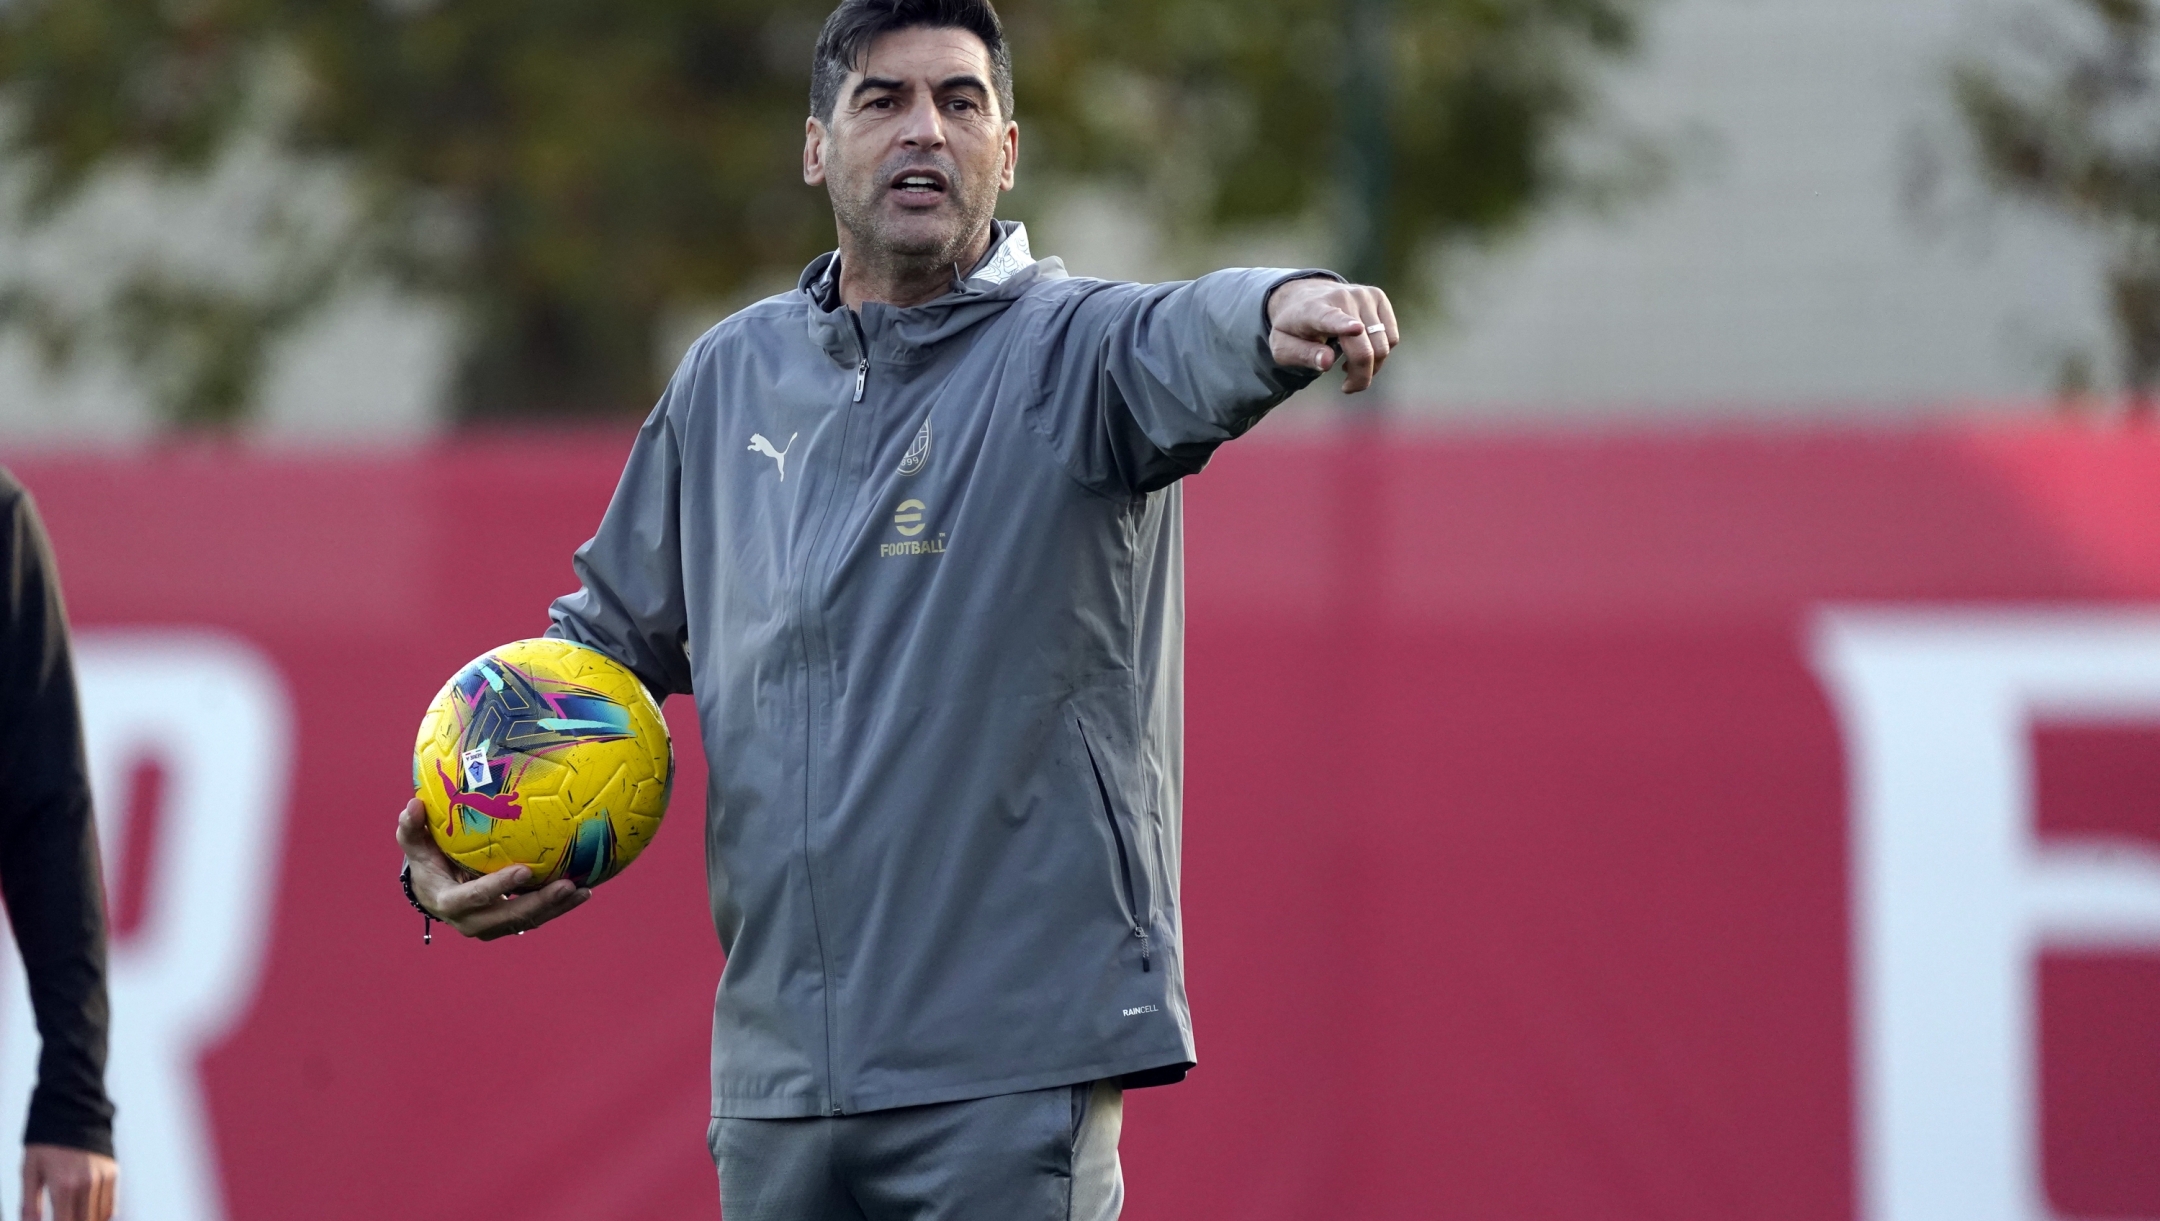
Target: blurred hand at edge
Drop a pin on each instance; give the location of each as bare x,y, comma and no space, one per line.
81,1183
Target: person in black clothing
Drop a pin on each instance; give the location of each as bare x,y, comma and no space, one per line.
50,880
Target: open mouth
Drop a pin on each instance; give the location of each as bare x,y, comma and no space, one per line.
919,186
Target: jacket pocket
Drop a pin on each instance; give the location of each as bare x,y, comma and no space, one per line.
1127,894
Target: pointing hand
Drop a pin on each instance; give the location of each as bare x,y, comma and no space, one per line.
1306,315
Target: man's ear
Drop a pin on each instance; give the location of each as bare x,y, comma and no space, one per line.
1012,155
813,153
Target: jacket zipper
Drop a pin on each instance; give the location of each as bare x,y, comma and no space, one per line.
1124,862
806,603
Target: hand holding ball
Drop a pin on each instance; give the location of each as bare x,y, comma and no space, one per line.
547,754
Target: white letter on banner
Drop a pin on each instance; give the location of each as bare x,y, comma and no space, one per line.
212,712
1953,894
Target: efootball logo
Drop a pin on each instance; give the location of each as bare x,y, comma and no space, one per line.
907,522
907,519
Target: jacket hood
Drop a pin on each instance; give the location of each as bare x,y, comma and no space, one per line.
1006,271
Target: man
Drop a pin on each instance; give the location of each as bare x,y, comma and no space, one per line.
49,876
910,534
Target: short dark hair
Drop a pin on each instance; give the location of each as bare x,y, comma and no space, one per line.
853,26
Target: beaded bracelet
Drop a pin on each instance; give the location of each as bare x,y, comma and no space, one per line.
427,918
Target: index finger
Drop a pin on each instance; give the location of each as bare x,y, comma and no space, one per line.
486,890
528,911
1338,322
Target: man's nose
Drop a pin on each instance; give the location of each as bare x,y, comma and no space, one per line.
925,126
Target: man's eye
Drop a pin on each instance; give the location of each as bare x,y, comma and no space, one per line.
962,104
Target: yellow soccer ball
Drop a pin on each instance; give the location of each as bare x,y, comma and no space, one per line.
547,754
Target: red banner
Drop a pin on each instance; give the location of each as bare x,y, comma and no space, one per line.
1633,826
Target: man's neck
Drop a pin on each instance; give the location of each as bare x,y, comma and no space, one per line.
899,280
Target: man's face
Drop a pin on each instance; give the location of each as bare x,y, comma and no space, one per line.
916,151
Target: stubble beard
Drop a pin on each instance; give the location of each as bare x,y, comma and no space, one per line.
882,248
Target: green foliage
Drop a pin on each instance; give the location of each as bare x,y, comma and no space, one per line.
2070,119
565,171
1232,113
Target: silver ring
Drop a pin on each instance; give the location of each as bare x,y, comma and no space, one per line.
1376,328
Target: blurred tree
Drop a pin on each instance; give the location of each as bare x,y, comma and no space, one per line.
2069,117
1232,114
565,171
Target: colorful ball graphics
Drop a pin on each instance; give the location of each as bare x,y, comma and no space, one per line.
547,754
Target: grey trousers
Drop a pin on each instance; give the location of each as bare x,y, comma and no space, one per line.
1046,1155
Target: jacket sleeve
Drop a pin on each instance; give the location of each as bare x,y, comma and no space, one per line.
49,870
1145,380
629,604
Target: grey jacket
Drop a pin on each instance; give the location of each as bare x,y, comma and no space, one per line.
921,570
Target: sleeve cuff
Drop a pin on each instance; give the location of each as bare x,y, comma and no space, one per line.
89,1137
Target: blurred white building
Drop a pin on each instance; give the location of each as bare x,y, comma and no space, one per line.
1791,268
1788,268
1785,270
371,366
